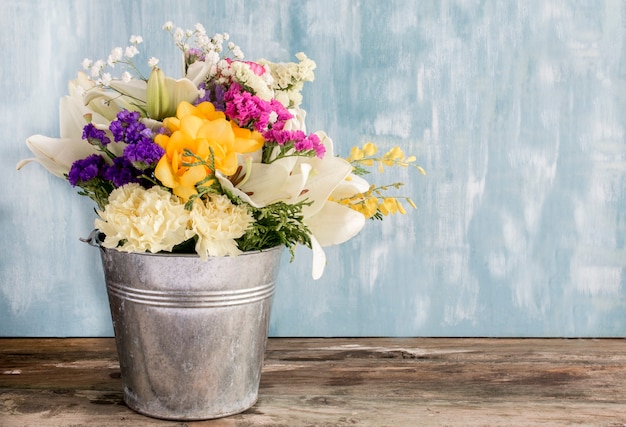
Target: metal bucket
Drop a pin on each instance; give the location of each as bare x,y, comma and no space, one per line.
190,334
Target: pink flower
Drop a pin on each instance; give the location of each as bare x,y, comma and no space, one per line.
257,69
251,112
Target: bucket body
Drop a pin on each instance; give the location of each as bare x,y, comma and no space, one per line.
190,334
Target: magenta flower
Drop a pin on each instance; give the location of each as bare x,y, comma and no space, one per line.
252,112
257,69
302,143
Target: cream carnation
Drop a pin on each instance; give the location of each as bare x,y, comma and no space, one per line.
217,223
143,220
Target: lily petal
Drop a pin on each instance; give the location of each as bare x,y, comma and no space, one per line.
71,117
179,91
335,224
269,183
134,89
327,174
198,71
350,186
319,259
57,154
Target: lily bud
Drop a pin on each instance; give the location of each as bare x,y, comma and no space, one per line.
157,95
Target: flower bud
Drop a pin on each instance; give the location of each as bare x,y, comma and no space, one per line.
157,95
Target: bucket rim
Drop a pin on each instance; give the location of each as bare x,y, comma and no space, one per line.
94,240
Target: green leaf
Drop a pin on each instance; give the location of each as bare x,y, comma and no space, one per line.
276,224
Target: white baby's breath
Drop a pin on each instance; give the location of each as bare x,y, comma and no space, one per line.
115,56
179,33
96,68
131,51
106,79
203,41
200,28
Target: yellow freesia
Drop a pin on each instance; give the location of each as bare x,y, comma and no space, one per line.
365,156
358,154
207,134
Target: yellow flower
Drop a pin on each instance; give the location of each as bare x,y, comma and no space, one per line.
366,203
390,205
364,156
359,155
372,202
368,207
207,134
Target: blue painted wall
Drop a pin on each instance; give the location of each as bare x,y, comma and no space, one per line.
515,109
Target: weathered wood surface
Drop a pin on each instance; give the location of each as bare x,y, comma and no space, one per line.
344,382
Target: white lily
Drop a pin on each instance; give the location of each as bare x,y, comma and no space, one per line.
199,71
333,225
297,122
133,96
58,154
180,90
295,179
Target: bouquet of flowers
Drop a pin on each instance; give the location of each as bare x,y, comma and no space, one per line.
217,162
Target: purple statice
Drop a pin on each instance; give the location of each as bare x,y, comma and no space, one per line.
138,133
87,169
213,93
141,152
218,97
144,153
128,116
127,126
192,55
118,130
206,96
95,136
121,172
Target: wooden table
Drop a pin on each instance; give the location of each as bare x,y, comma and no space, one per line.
344,382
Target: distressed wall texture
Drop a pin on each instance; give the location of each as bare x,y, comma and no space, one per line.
515,109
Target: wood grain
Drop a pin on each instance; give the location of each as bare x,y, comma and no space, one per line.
344,382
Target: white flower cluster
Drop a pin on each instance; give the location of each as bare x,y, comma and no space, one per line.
98,69
241,72
211,47
154,220
282,81
289,78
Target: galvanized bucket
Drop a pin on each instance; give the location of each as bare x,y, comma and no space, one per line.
190,334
